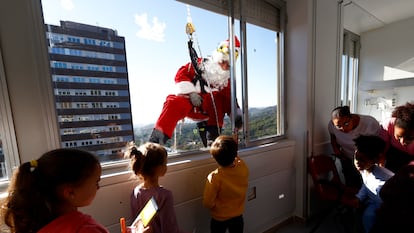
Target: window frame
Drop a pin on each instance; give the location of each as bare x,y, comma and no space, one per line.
33,12
7,133
235,9
280,78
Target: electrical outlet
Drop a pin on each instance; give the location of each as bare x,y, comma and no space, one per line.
251,193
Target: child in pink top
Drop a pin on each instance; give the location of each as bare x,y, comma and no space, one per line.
149,162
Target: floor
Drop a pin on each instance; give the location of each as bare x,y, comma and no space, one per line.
336,221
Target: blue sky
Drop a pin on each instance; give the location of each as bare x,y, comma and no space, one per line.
156,44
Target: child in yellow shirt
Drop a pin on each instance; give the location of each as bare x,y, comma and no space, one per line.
226,186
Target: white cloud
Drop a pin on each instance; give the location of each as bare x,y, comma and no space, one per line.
154,31
67,4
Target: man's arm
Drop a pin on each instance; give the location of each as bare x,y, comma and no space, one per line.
336,147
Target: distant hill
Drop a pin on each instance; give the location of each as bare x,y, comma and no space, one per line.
262,123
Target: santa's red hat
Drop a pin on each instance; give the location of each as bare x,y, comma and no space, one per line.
222,51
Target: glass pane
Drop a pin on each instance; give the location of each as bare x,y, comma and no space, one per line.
344,80
3,173
352,71
349,75
4,179
8,150
262,82
113,68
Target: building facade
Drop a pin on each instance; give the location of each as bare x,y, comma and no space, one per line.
90,82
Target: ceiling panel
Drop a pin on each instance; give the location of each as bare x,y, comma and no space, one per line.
365,15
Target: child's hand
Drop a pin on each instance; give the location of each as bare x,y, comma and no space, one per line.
139,228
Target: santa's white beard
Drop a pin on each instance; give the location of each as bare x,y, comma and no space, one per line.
215,75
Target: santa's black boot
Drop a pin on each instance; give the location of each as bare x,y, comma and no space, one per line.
212,133
158,137
203,132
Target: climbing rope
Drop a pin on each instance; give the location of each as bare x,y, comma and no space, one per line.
190,31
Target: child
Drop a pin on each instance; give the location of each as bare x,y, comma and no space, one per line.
225,188
149,162
367,154
400,131
396,212
343,128
45,194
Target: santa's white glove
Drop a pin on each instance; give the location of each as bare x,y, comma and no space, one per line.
195,99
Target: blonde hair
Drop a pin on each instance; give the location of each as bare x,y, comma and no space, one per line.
144,159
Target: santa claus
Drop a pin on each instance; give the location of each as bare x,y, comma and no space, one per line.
203,94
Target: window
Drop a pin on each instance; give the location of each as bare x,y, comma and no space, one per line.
138,51
8,146
110,75
349,77
262,83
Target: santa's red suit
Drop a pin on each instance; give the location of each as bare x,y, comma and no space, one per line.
213,85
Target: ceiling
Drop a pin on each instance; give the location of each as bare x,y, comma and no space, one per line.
364,15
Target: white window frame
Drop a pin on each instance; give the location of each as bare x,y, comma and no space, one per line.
31,13
7,133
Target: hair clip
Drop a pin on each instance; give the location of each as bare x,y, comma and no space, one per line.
33,165
134,152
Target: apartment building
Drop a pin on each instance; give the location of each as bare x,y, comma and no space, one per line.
90,83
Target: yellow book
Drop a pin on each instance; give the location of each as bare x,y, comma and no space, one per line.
147,213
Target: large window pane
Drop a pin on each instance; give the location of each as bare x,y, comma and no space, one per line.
100,63
262,82
113,68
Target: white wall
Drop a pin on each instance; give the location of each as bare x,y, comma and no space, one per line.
271,174
326,62
31,96
311,77
297,90
389,46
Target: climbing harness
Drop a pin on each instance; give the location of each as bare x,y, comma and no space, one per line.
190,31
